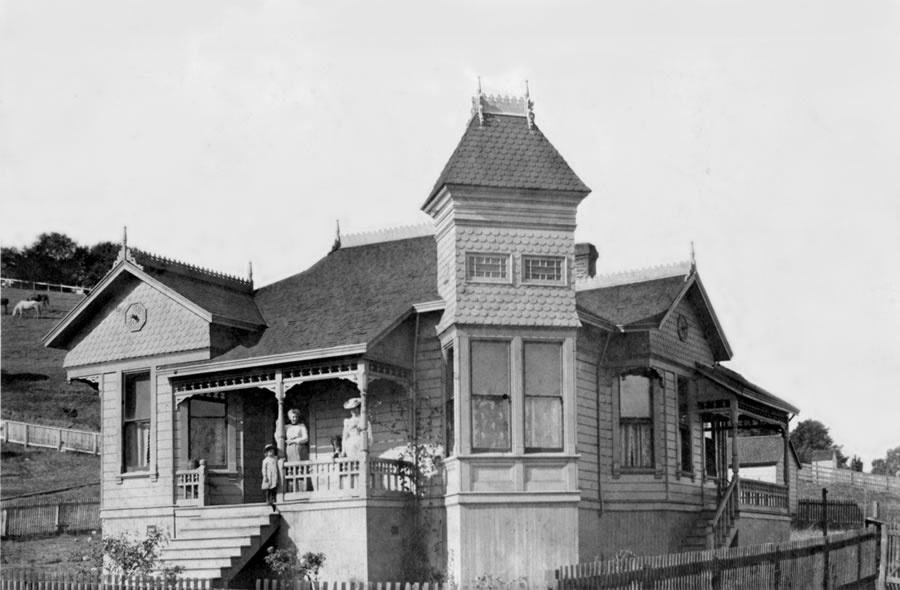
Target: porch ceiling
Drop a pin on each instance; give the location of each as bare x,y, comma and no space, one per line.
352,369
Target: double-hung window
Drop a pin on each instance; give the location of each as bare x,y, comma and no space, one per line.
543,396
136,409
684,427
208,433
635,421
490,390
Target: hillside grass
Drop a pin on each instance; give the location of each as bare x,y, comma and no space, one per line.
34,385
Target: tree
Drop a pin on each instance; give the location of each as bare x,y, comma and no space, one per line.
856,464
812,435
889,465
53,258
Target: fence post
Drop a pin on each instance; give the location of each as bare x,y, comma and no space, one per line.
825,512
776,574
25,437
59,439
826,569
716,578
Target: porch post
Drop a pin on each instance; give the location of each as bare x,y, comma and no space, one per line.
735,460
279,420
787,450
362,383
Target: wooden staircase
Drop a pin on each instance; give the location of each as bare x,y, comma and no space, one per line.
216,542
716,529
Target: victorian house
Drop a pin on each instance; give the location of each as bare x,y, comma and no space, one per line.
531,413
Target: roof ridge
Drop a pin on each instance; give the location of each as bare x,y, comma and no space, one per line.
635,275
387,234
162,263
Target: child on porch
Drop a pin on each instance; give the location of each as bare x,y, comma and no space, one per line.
270,476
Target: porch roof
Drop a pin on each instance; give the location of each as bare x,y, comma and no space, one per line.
351,296
760,451
738,384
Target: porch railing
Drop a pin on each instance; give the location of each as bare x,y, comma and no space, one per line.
723,522
339,477
190,486
760,495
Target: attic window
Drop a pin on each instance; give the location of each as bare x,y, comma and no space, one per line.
544,270
487,267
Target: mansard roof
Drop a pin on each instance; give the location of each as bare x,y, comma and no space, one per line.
503,151
646,299
350,297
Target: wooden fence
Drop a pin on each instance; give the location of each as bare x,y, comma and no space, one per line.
890,556
48,519
32,580
823,476
839,514
50,437
41,286
847,560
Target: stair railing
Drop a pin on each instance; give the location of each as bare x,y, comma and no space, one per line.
726,516
191,485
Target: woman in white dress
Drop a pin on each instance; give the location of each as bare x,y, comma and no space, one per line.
297,438
352,439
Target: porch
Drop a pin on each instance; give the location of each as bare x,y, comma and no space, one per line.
319,479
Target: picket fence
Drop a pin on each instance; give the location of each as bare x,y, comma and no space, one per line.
847,560
50,437
29,580
42,286
49,519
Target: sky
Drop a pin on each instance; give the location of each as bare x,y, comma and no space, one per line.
767,133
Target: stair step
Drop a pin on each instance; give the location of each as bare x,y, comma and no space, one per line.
197,524
231,533
231,543
194,553
204,563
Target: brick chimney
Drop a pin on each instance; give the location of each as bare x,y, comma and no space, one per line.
585,260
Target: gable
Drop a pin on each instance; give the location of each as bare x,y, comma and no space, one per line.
170,327
695,347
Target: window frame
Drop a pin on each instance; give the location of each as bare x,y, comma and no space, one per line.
472,278
506,397
637,421
559,396
449,378
562,281
129,378
685,426
225,424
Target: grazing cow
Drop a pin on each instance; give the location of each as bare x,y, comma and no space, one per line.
26,304
4,303
43,298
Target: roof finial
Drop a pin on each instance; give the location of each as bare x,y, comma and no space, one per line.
478,104
250,271
529,107
337,236
124,253
693,259
125,238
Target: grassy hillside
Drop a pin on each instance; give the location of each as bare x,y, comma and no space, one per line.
34,387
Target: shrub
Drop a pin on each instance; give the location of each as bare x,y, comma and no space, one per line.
290,565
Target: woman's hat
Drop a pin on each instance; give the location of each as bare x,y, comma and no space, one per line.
269,448
353,402
294,412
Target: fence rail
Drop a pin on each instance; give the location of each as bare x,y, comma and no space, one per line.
50,437
847,560
822,476
48,519
41,286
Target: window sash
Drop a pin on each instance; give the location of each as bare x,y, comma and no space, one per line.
636,443
490,424
543,269
490,388
136,445
543,396
487,267
543,424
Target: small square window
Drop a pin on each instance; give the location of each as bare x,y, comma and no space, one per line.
487,267
548,270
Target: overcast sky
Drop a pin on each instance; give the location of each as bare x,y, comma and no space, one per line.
766,132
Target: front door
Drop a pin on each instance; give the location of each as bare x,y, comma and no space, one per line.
257,431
